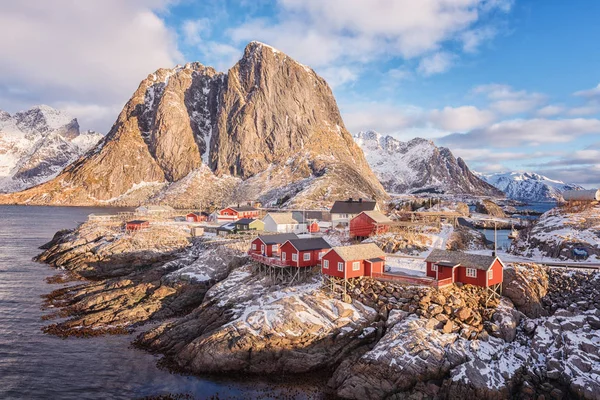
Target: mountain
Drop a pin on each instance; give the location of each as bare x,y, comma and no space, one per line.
269,129
35,146
419,166
528,186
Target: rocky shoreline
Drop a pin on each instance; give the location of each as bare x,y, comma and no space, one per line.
217,315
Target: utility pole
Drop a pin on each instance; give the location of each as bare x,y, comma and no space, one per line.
495,239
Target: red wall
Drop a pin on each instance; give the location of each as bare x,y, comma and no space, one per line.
195,218
443,273
461,276
498,273
137,227
376,267
314,227
333,259
363,226
289,249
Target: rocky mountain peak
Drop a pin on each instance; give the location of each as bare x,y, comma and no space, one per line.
419,166
270,124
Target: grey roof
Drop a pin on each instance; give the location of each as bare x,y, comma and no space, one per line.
243,208
376,259
278,238
244,221
310,215
452,258
352,207
310,244
137,221
282,218
364,251
378,217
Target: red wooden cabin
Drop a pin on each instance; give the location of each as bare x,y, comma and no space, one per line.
234,213
369,223
268,245
353,261
196,216
303,252
456,266
136,225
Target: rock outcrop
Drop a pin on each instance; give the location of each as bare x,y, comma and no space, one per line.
270,127
419,166
570,232
526,285
489,207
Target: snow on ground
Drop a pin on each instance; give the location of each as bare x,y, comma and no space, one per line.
405,266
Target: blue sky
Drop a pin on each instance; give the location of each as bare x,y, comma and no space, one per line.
507,85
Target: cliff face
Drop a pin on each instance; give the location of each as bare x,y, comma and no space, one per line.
270,125
420,166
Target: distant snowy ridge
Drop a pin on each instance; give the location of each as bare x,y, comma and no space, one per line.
419,166
37,144
528,186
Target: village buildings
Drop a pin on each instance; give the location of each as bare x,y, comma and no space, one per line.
306,252
136,225
282,222
344,210
268,245
234,213
197,216
154,210
249,224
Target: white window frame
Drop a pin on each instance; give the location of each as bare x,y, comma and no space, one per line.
306,257
321,255
262,248
340,266
283,256
253,246
434,267
294,256
471,272
326,264
275,247
356,266
490,274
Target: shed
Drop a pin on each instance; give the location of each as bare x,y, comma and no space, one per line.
197,216
456,266
305,252
136,225
369,223
268,245
353,261
249,224
197,231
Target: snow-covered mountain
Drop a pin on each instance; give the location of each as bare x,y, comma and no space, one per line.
35,146
528,186
419,166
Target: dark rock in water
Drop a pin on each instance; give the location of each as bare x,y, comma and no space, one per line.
58,236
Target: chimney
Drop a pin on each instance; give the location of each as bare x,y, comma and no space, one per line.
360,200
493,254
350,200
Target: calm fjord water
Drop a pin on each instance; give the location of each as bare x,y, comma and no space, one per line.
38,366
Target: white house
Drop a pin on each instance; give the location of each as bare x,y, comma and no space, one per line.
344,210
283,222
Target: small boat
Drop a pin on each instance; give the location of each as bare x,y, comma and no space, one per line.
513,233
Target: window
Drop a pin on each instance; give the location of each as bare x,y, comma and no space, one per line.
434,267
294,256
471,273
491,274
356,266
326,264
262,248
341,266
321,255
306,257
275,247
282,256
253,246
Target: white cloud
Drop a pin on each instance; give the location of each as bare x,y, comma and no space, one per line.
472,39
590,109
321,33
399,74
338,76
382,117
525,132
550,111
92,52
507,101
461,119
593,93
194,29
435,63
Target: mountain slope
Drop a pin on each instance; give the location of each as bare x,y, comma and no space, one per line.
528,186
270,124
419,166
35,145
